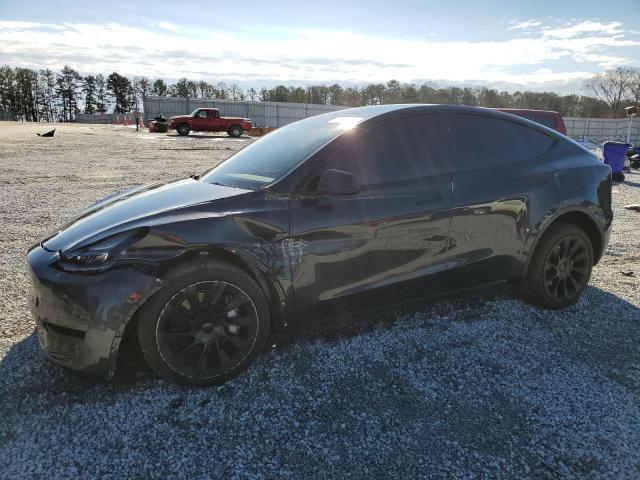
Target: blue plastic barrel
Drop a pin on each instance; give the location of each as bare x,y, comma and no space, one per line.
614,155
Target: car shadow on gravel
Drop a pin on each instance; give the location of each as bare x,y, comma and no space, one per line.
601,329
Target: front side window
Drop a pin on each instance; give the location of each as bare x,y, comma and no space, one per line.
203,114
270,158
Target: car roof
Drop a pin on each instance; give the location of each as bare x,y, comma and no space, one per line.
375,113
528,110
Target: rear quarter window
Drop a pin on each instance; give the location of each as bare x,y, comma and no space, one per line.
540,142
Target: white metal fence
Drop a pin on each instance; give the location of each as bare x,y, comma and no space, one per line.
277,114
102,117
601,129
262,114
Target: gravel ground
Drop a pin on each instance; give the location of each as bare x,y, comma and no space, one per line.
473,385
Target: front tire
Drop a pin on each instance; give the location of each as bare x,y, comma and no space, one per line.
207,326
183,129
236,131
560,268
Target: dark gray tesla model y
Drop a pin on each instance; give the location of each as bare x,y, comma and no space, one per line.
329,214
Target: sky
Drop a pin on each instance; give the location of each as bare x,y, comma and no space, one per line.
517,44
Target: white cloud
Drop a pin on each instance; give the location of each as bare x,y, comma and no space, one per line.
575,29
526,25
172,27
310,55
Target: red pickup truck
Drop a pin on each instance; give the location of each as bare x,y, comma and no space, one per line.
547,118
209,120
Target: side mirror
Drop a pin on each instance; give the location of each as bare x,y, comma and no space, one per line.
338,182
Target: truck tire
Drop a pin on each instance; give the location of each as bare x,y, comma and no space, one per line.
235,131
183,129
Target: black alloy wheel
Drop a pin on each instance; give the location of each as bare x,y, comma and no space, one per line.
567,268
560,267
206,326
206,329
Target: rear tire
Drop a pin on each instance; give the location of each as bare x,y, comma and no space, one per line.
183,129
207,326
560,268
235,131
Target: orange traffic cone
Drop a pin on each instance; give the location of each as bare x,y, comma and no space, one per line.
117,119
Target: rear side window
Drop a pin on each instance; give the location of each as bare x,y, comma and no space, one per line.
397,151
481,142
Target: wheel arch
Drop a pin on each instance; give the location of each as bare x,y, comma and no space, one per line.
580,219
273,294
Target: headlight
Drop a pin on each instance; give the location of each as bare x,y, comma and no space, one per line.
98,255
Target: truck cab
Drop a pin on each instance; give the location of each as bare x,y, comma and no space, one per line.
206,119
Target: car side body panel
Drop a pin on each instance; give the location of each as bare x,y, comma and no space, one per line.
348,249
491,220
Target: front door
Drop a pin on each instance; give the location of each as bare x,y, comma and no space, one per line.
386,242
201,120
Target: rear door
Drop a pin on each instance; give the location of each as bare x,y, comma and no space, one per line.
501,174
392,235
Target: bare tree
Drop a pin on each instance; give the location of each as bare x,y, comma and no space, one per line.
236,93
634,87
612,86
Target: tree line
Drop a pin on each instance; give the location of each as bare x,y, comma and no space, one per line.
45,95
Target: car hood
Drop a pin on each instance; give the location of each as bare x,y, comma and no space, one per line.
181,117
132,206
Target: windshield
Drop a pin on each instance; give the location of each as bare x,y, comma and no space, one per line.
193,114
273,156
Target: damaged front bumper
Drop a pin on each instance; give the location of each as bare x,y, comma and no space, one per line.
81,318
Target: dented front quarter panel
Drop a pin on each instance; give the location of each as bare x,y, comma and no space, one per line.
250,227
